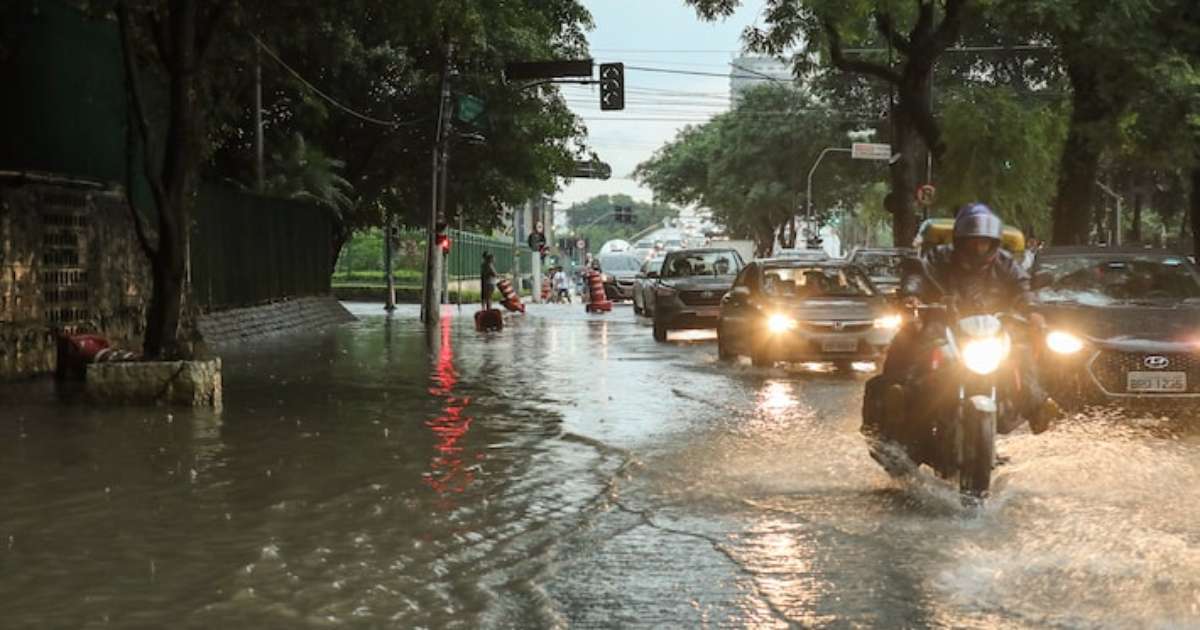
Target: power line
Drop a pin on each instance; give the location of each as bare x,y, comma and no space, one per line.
385,123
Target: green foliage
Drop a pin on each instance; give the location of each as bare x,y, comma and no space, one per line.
301,171
593,219
1004,152
750,165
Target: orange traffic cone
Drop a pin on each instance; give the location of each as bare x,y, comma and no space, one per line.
511,300
597,301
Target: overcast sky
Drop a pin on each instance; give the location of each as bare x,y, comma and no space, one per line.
660,34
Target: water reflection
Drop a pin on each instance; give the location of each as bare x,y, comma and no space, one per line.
447,472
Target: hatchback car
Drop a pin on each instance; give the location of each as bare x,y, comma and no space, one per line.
687,293
1124,326
793,310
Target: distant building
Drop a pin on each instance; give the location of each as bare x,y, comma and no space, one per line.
747,72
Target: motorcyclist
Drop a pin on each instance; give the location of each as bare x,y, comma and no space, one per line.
978,277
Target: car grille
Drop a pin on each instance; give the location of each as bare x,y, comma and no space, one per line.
1111,366
698,298
832,327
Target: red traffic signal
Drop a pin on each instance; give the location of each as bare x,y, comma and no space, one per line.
443,241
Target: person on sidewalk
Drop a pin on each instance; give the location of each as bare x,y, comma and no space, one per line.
562,285
487,280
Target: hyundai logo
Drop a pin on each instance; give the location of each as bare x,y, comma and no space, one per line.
1156,362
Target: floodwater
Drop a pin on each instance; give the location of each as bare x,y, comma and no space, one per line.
566,472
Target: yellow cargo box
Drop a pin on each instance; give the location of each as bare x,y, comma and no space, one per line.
941,231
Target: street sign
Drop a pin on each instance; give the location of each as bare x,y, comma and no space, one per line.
926,194
870,151
581,243
470,110
526,70
591,170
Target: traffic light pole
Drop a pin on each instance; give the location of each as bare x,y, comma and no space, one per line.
389,226
431,294
808,207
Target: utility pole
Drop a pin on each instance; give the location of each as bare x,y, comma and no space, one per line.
431,296
258,123
808,216
389,226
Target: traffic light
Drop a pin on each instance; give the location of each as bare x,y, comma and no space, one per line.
441,238
612,86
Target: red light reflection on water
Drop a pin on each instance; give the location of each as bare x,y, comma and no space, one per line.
447,471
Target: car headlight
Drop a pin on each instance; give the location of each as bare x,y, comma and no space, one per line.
1061,342
983,356
778,323
889,322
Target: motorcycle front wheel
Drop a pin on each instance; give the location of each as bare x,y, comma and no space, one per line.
978,455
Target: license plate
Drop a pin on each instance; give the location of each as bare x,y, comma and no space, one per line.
1139,382
839,345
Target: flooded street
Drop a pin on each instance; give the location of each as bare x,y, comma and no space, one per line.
568,471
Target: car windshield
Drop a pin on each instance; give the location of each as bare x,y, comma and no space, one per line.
718,263
880,265
654,264
1096,280
816,282
619,263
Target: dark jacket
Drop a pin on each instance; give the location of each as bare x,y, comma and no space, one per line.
1003,286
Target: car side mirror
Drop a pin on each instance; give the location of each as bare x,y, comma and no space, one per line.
1041,280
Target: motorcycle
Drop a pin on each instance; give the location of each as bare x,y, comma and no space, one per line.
964,384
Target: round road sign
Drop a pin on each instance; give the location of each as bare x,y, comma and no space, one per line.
581,243
926,194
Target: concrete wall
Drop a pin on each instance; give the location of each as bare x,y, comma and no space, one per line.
68,263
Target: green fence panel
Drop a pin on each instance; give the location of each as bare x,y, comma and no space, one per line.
466,253
249,249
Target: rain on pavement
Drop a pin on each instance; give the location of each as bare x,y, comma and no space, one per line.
567,471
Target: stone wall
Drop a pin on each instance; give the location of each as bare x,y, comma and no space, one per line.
228,328
68,263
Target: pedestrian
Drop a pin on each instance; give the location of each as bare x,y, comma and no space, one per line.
562,285
487,280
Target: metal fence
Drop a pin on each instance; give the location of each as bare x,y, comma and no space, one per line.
466,254
248,249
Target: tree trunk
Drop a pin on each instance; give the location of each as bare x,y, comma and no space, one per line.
905,173
1135,232
1194,210
1091,118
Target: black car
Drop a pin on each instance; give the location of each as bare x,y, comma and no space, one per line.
882,265
796,310
1124,326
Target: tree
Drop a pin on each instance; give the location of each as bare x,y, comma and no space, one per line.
384,60
595,219
747,166
805,25
1004,149
177,37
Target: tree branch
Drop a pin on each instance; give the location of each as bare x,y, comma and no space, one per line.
948,31
883,22
139,117
854,65
158,35
209,28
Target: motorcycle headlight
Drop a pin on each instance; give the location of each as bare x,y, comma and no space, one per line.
889,322
1061,342
983,356
778,323
605,277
